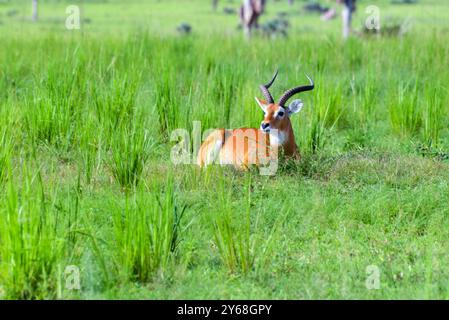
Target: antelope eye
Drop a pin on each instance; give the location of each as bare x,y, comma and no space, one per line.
281,113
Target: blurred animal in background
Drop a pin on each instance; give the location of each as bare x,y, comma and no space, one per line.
229,10
184,28
349,7
35,9
325,12
214,5
275,28
315,7
249,14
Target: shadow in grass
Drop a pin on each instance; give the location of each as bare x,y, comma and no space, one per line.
428,151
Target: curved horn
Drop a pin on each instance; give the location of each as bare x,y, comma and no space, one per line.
289,93
264,88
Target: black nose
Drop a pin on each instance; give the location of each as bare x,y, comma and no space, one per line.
265,125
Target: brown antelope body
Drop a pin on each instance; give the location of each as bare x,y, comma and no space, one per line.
247,146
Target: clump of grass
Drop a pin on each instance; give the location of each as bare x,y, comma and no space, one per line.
432,118
357,139
365,98
329,105
49,123
327,111
235,237
52,113
316,130
130,150
222,91
147,231
315,134
30,246
6,144
90,147
167,102
114,102
405,115
234,244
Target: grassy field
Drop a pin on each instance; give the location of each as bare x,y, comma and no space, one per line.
87,183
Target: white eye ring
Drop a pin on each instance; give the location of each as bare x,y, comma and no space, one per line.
280,113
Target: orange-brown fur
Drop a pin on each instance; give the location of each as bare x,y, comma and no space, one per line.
256,143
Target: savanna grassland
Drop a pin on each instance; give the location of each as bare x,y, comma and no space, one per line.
86,179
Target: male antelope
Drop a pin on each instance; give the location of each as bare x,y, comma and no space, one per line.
246,146
249,14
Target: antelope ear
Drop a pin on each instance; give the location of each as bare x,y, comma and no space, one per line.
295,106
262,104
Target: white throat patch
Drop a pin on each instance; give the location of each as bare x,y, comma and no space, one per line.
278,139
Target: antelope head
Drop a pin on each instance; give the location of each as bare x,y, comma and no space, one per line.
277,115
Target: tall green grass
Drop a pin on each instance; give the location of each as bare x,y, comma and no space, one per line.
32,241
326,112
237,237
235,242
167,102
365,99
405,113
114,101
53,109
91,114
130,149
433,116
147,230
6,149
92,149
